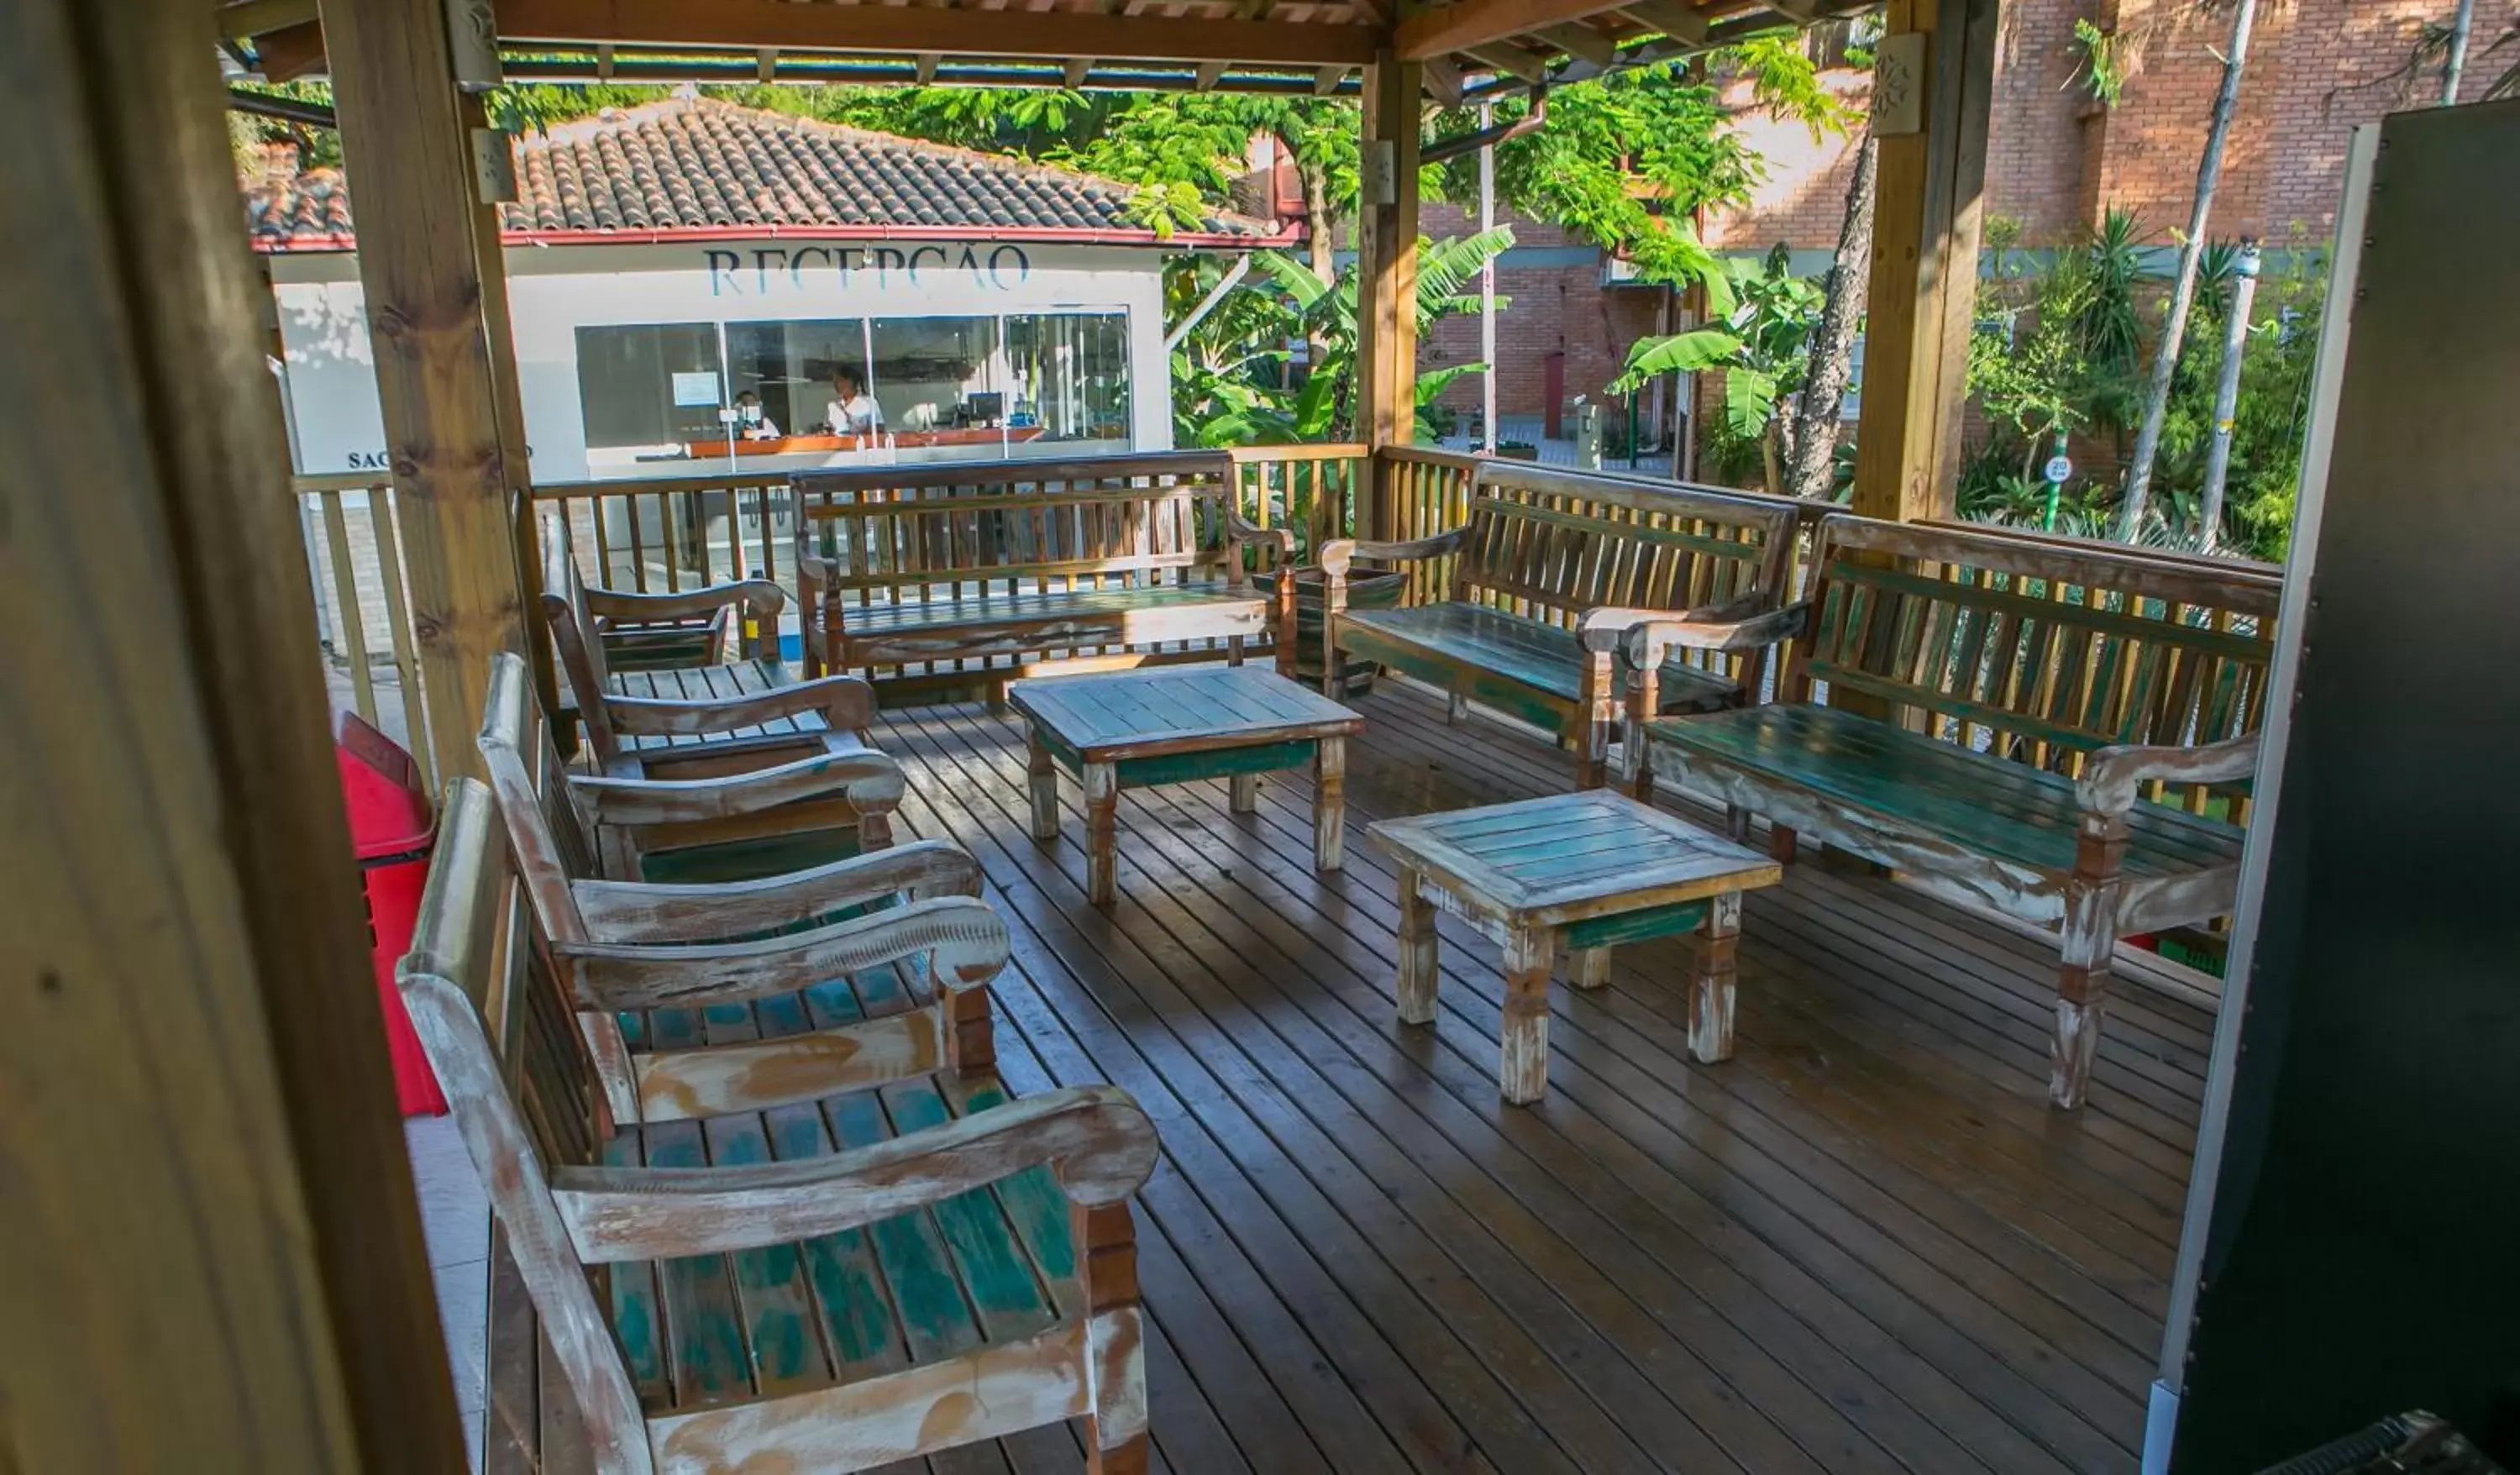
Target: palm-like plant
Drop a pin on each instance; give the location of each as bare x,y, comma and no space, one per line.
1326,312
1761,345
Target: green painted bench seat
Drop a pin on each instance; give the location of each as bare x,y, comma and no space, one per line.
970,573
1995,807
2056,730
1541,577
1537,668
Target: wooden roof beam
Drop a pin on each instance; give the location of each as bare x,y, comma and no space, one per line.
1468,24
1676,19
1800,12
1579,41
878,30
1511,60
252,18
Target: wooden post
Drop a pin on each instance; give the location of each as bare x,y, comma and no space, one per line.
526,526
1930,203
404,138
215,1251
1387,242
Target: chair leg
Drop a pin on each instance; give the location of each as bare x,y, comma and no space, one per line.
1781,844
1115,1430
2083,977
874,831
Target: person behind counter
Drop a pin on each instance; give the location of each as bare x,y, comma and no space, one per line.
756,423
852,411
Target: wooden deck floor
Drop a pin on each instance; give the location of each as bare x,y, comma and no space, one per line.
1865,1244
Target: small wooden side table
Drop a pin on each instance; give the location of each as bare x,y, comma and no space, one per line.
1593,868
1172,724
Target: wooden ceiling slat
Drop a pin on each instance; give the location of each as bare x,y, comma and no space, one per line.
1470,24
878,30
1579,40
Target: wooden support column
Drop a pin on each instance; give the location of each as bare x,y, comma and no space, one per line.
1386,243
526,526
1930,203
406,146
214,1255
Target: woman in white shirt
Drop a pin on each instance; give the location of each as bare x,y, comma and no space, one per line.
852,411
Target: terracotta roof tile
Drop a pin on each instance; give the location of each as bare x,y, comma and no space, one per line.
697,164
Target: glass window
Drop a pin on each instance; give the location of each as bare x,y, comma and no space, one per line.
793,368
939,375
1070,377
652,384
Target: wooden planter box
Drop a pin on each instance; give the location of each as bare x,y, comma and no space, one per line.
1366,590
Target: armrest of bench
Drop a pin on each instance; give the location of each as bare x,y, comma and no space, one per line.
968,941
2111,775
1095,1138
646,911
1650,634
760,596
1240,529
867,778
846,702
1337,553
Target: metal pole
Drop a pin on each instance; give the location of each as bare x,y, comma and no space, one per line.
1487,287
2227,395
2454,61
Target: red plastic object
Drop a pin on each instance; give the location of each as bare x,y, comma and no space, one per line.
391,832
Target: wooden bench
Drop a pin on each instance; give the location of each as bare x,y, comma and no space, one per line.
2001,715
709,723
1550,569
965,574
796,1284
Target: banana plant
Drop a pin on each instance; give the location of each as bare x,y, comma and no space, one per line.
1762,346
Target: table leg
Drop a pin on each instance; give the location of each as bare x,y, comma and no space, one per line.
1243,793
1522,1049
1710,985
1417,951
1101,832
1044,790
1590,967
1329,804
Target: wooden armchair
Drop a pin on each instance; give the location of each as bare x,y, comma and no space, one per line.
620,946
631,1246
809,731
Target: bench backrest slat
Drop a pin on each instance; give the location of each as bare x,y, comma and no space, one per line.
2039,647
1017,526
1553,544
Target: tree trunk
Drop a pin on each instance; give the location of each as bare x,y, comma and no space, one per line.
1832,343
2165,360
1320,250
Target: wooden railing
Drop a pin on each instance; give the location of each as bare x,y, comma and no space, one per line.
355,555
1311,488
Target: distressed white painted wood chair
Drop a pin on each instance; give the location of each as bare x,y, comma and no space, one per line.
622,946
715,720
830,1285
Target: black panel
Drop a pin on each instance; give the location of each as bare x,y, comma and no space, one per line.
2364,1254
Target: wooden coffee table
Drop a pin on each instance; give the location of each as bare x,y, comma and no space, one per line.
1594,870
1172,724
